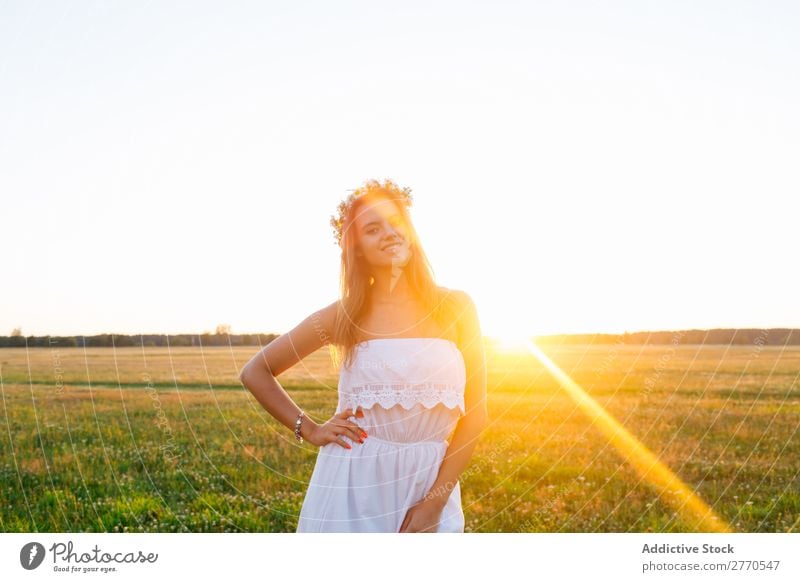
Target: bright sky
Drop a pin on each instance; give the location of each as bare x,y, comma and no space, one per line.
576,167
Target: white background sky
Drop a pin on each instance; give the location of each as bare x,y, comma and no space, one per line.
576,166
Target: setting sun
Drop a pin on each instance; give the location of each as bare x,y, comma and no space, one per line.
510,343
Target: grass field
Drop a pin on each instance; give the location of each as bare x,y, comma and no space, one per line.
160,440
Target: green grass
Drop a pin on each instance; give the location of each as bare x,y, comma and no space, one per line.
156,440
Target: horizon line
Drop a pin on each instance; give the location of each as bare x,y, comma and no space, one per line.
485,335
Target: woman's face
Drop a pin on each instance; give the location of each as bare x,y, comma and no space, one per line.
382,234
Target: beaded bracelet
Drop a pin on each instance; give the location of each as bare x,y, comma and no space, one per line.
297,424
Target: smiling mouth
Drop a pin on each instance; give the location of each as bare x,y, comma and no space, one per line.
387,247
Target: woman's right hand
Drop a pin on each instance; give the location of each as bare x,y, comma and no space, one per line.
336,427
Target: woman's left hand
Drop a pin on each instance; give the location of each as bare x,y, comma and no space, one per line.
422,517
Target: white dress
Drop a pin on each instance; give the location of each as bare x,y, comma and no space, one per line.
412,393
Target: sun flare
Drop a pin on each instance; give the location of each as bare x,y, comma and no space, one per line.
664,481
510,342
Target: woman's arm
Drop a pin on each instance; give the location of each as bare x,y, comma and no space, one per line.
258,375
475,419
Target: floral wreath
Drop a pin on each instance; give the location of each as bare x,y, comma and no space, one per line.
394,192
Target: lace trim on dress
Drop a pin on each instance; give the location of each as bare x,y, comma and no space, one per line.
429,394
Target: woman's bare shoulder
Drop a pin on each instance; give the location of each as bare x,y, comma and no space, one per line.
465,315
462,298
326,318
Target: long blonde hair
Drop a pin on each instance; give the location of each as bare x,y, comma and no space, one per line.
355,281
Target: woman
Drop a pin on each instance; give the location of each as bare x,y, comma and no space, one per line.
413,375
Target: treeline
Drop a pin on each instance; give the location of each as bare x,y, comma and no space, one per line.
107,340
766,337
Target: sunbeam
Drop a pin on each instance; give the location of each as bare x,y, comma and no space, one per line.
669,486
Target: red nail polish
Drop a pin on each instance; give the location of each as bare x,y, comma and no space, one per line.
349,447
